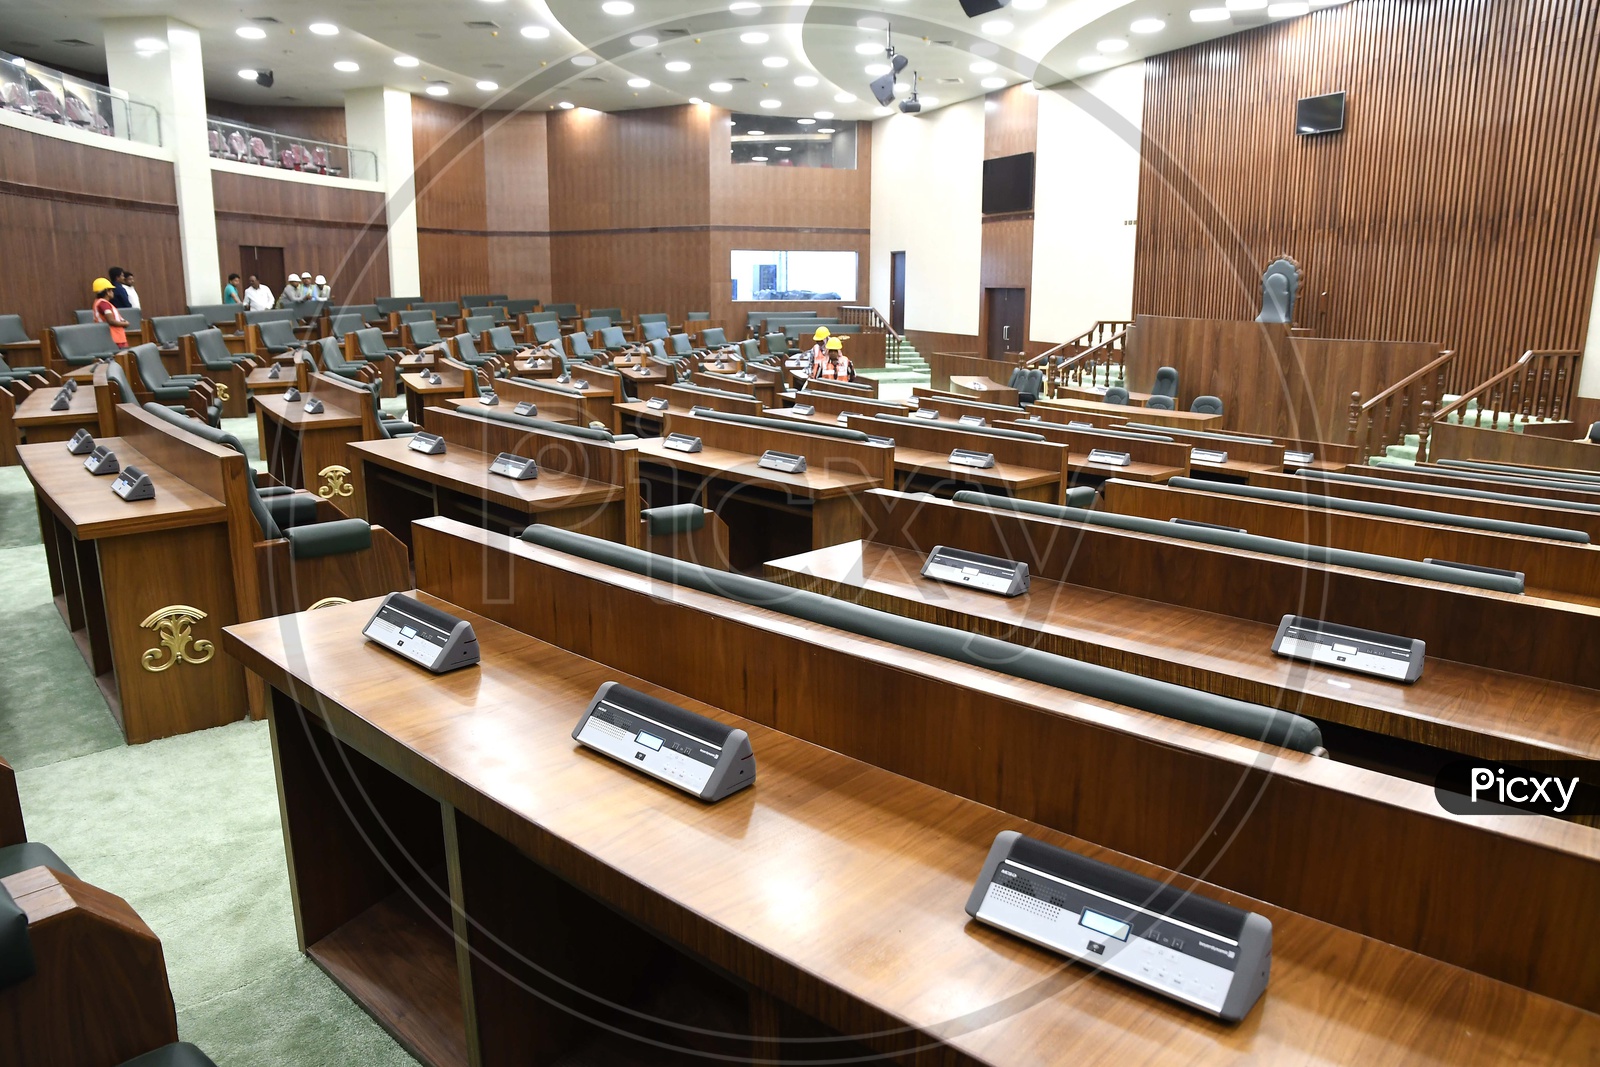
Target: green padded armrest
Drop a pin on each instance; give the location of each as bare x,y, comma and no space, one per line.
500,415
1211,434
275,490
1272,546
1160,698
816,429
1452,490
15,859
291,509
956,427
16,947
329,538
1507,468
1391,511
179,1054
677,519
1081,496
399,428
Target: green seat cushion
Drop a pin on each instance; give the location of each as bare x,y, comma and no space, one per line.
16,947
329,538
179,1054
679,518
15,859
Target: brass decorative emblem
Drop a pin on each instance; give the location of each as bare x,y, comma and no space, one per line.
333,482
328,602
173,624
222,392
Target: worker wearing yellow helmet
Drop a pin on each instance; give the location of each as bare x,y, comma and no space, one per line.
105,311
818,348
834,364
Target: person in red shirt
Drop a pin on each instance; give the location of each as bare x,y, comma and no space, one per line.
105,311
834,365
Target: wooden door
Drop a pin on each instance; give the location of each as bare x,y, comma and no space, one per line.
266,264
1006,309
897,292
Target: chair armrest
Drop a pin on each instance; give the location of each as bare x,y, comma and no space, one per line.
329,538
12,830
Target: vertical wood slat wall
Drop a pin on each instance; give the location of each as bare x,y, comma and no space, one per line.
1460,205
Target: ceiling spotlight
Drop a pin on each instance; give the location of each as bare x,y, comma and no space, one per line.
719,87
878,69
753,37
806,122
696,100
324,29
1209,14
565,105
264,78
755,133
868,48
911,105
248,75
584,61
488,86
996,27
826,129
770,104
824,115
844,98
643,40
775,62
758,159
638,83
677,66
983,66
1147,26
1112,44
805,81
535,33
783,148
438,89
617,7
744,7
993,83
406,61
347,66
251,33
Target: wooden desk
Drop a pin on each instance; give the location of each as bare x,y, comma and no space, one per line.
257,382
831,883
766,509
981,387
764,391
1190,419
1027,470
422,393
1151,460
145,588
308,451
1097,394
30,420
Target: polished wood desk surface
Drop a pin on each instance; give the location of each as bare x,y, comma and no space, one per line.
816,483
34,410
1485,713
1136,470
1191,419
1097,394
1467,478
980,387
293,414
471,404
416,382
467,470
88,507
1002,475
259,380
847,882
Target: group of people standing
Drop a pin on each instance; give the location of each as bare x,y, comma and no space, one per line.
257,297
113,293
828,360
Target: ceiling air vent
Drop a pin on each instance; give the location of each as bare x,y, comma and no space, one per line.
673,33
483,24
266,20
73,42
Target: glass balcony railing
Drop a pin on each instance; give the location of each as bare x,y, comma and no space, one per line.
257,145
29,88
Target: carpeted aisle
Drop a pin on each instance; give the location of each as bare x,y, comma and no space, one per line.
185,829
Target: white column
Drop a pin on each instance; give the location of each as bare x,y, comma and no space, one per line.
380,120
1589,375
157,60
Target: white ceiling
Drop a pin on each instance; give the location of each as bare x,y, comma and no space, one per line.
815,40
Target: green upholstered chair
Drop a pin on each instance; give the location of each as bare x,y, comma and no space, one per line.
83,345
330,353
442,309
1116,395
12,332
478,300
1028,383
218,314
278,336
1157,402
545,331
654,330
520,307
212,348
132,316
579,345
1166,383
345,322
426,333
416,315
778,344
611,339
371,346
698,316
1206,405
390,304
500,342
467,351
715,337
169,328
678,346
164,386
596,322
477,324
562,311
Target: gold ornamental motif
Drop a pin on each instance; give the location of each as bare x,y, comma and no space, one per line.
328,602
173,625
222,392
334,483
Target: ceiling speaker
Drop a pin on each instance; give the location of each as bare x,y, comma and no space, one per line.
883,89
974,8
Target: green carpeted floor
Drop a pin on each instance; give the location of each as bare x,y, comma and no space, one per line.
185,829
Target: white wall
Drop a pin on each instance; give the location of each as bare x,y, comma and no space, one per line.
1589,372
1087,188
927,201
379,119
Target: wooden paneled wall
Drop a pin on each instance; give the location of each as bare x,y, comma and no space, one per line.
1458,206
316,123
339,233
517,203
452,220
68,212
1010,127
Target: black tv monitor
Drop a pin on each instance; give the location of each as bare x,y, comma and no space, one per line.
1319,114
1008,184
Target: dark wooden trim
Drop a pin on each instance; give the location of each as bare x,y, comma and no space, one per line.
623,231
289,220
66,196
1009,216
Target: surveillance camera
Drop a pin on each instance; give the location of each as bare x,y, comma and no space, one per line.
264,78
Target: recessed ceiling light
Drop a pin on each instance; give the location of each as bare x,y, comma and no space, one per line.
775,62
1328,3
406,61
805,81
347,65
638,83
677,66
877,70
696,100
1112,44
437,90
535,33
324,29
719,87
759,159
584,61
1288,11
872,23
486,85
251,33
565,105
756,133
248,75
783,148
824,115
1209,14
844,98
826,129
617,7
985,49
643,40
868,48
996,27
982,66
993,83
769,104
806,122
1147,26
744,7
753,37
1094,63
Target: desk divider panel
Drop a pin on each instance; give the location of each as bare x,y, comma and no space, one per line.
951,408
1143,449
824,385
681,400
580,409
944,437
1340,843
837,403
822,452
1266,453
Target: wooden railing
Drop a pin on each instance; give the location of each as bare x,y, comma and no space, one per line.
1094,337
1405,407
868,318
1537,386
1072,370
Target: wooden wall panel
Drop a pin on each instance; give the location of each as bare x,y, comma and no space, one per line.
517,203
317,123
68,212
632,170
1459,205
1010,127
339,233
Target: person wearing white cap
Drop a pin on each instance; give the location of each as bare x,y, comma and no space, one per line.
293,293
320,290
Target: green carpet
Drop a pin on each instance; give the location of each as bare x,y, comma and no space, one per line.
185,829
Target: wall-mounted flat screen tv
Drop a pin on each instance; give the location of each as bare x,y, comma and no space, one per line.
1319,114
1008,184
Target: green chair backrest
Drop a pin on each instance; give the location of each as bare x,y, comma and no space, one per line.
169,328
